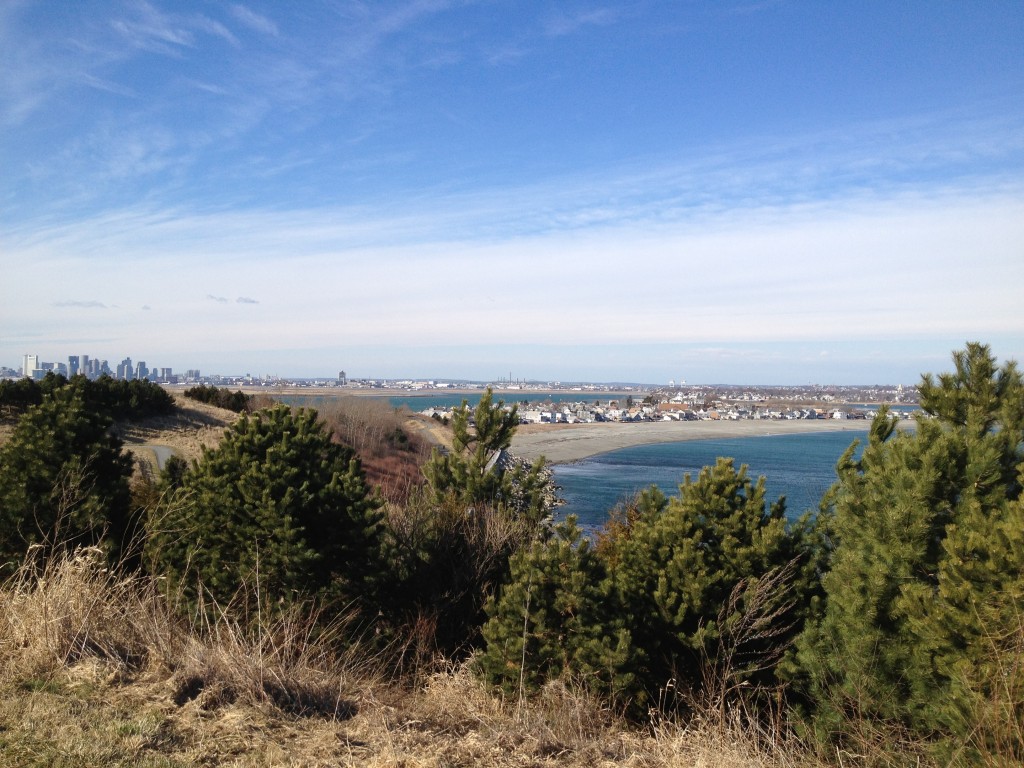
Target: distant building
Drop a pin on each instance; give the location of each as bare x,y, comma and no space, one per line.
125,369
29,365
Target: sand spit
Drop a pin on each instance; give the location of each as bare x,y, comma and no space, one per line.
564,443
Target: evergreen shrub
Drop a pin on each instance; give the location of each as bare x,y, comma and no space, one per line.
277,507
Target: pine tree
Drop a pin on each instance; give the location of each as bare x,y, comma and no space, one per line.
706,588
277,504
701,575
555,618
927,559
478,469
63,480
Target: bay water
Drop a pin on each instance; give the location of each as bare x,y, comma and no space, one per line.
799,467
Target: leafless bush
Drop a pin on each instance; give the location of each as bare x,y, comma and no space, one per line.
755,623
391,455
452,558
371,426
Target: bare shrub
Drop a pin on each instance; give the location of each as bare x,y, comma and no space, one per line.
371,426
451,559
391,455
756,630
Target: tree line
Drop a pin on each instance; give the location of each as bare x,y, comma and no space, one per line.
236,401
896,609
109,397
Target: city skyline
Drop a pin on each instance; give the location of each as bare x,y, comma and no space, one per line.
35,367
780,192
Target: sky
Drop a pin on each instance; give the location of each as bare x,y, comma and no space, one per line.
714,192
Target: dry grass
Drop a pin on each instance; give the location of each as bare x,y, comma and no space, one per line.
191,426
96,669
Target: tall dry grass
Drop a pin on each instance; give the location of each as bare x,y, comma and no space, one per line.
73,608
97,667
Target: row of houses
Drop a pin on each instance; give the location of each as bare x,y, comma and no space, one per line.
585,413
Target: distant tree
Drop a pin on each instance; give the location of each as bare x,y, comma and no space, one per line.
926,578
63,480
16,396
115,399
277,504
236,401
120,399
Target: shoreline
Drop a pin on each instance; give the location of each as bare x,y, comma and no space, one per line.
566,443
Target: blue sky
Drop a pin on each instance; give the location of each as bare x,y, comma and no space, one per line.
737,192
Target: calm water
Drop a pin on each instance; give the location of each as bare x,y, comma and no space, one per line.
800,467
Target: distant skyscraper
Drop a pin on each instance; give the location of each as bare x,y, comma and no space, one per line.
141,371
125,370
72,365
29,365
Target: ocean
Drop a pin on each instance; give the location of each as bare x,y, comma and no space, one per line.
799,467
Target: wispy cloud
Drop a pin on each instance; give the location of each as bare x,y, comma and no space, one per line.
253,20
81,304
564,23
149,29
213,27
343,147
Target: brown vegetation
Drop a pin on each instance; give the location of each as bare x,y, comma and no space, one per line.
391,449
97,670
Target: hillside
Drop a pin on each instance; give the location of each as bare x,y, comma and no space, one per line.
96,671
192,425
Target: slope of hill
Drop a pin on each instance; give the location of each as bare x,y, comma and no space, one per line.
96,670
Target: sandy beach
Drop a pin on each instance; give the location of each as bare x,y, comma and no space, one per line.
564,443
